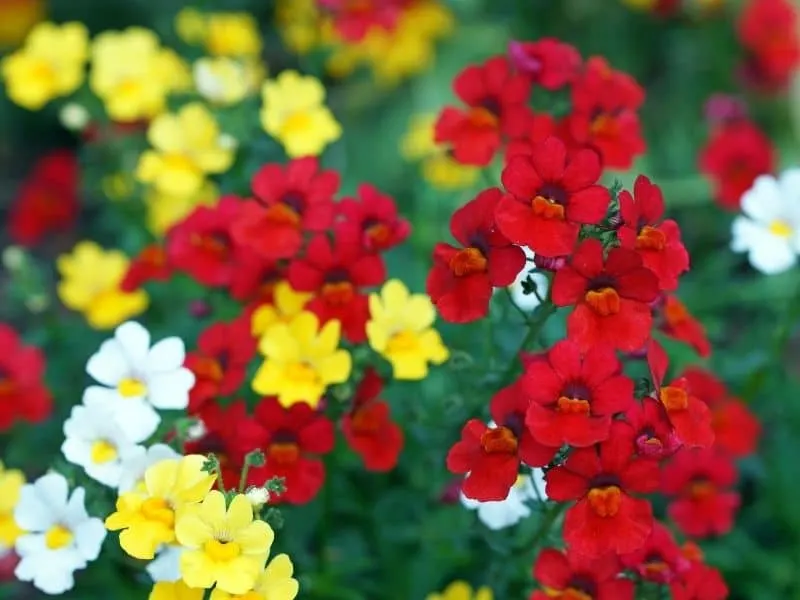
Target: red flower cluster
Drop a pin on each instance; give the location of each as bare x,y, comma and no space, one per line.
354,19
768,32
23,395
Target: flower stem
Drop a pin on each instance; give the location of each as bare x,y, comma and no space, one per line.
535,324
549,518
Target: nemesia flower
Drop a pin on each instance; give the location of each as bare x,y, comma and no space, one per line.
368,427
293,198
374,214
286,304
400,329
335,271
295,438
461,590
567,575
701,582
461,280
654,436
91,280
147,515
48,199
610,295
294,113
548,62
149,265
510,511
49,65
225,81
660,560
302,360
769,229
60,537
224,546
11,482
699,482
574,395
275,583
606,517
187,146
768,31
549,196
675,320
135,464
231,34
23,395
175,590
496,100
657,242
164,210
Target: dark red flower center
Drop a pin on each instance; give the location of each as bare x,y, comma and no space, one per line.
283,215
603,301
605,501
486,114
673,398
655,567
365,421
8,386
500,440
337,289
468,261
153,255
651,238
574,399
216,243
605,125
580,587
377,232
647,444
283,448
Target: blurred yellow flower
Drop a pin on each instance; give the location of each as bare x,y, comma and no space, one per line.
49,65
11,482
294,113
132,74
163,210
298,24
175,590
287,305
438,168
302,360
461,590
90,284
232,34
17,17
190,25
188,145
275,583
400,329
226,81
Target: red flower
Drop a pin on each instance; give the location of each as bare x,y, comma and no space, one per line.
606,518
549,196
548,62
202,245
660,559
701,582
289,201
569,576
689,416
677,322
657,242
603,116
496,98
254,278
700,481
574,395
768,31
220,362
150,264
654,436
23,395
368,427
461,280
375,215
734,156
295,436
47,200
610,297
491,455
335,272
354,19
539,128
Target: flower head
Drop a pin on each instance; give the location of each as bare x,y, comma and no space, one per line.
226,81
461,590
275,583
286,304
232,34
548,62
568,575
23,394
11,482
374,215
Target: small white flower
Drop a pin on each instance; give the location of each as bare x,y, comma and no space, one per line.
130,368
74,117
505,513
97,441
769,229
62,537
528,302
196,430
258,496
135,463
166,565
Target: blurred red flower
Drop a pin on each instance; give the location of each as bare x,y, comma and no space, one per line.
675,320
23,395
150,264
375,215
568,575
548,62
768,31
660,559
655,437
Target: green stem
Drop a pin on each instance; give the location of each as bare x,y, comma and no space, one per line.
548,520
243,477
543,312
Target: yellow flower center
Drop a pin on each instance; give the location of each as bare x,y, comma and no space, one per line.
301,372
42,71
130,387
295,123
103,451
178,162
221,551
402,341
780,229
158,509
57,537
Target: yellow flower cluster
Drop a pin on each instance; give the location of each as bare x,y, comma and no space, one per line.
223,546
461,590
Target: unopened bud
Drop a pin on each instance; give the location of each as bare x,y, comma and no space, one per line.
37,303
724,108
196,430
258,496
199,309
522,60
13,258
74,117
549,263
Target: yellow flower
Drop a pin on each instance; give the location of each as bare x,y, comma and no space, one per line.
187,146
294,113
49,65
223,546
173,71
301,360
147,516
17,17
275,583
287,304
226,81
90,284
11,482
175,590
461,590
400,330
190,25
298,24
164,210
232,34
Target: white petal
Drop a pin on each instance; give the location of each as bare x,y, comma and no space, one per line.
498,515
135,342
76,509
171,390
137,418
95,395
76,450
166,355
745,233
108,365
89,537
538,484
468,503
51,571
763,202
42,503
106,473
31,543
166,566
773,256
79,423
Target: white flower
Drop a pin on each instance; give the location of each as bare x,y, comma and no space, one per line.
130,368
769,229
258,496
528,302
505,513
99,442
134,464
166,565
74,116
221,80
62,537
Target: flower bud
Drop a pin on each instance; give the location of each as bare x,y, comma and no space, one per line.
549,263
74,117
258,496
13,258
199,309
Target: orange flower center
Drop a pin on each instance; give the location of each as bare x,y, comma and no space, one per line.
283,214
650,238
500,440
364,421
284,453
358,6
605,125
212,244
699,490
7,387
467,262
570,593
573,406
655,567
674,398
692,551
379,233
483,118
675,312
604,302
208,367
338,293
605,501
154,255
547,208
